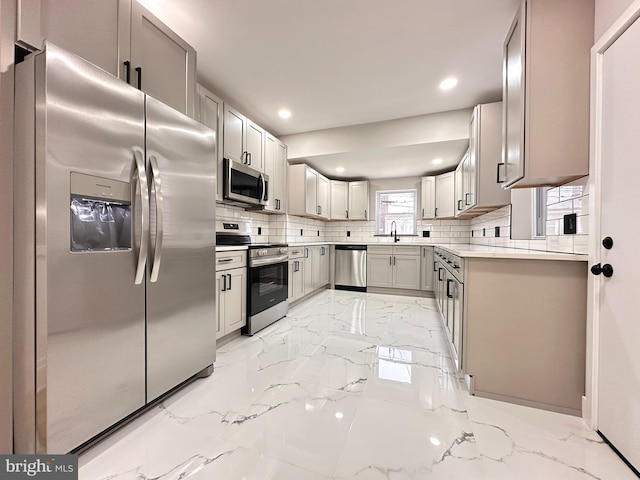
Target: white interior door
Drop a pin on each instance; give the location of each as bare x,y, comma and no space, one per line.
619,302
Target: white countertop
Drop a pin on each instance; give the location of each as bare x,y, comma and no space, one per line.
471,251
462,250
484,251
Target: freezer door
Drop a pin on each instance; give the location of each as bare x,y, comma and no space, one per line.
181,308
86,337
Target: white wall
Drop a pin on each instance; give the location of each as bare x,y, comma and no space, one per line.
607,12
7,40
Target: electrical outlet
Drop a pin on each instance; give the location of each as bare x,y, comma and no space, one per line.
484,232
570,224
348,233
472,233
497,234
301,233
426,233
318,232
259,230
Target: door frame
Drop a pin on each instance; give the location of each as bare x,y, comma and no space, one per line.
626,19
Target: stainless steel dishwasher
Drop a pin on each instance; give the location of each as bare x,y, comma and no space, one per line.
351,267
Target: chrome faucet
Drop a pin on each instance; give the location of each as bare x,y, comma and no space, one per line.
394,232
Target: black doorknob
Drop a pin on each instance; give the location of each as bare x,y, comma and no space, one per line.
606,270
607,242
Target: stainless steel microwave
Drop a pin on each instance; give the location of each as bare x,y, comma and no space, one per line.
244,185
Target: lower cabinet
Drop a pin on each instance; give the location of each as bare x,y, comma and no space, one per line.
393,267
308,270
426,268
296,273
231,292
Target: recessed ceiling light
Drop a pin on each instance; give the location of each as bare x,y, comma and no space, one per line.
339,415
435,441
284,113
436,161
340,169
448,83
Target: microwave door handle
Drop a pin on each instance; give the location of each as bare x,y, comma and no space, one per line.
140,178
157,251
261,187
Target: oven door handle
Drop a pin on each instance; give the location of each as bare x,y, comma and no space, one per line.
258,262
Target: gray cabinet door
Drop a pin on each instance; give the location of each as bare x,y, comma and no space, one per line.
167,63
280,177
513,138
359,200
339,200
96,30
311,192
379,270
209,113
426,268
235,300
234,132
254,135
406,272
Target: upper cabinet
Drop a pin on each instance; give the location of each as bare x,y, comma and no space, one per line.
209,110
445,195
546,94
349,200
308,192
119,36
243,139
359,200
339,200
275,166
477,190
429,197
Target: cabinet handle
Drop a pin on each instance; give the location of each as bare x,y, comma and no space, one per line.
459,204
394,261
501,164
306,253
127,71
423,212
439,277
434,266
347,212
224,283
390,261
225,260
467,196
449,281
139,72
249,157
365,215
435,213
229,275
320,208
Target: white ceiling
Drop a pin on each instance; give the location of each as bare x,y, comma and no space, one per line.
343,62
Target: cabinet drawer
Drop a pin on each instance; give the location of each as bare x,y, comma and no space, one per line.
382,249
233,259
296,252
413,250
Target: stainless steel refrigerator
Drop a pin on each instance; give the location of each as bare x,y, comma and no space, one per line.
114,251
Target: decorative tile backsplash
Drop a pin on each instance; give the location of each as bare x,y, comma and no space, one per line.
563,200
566,199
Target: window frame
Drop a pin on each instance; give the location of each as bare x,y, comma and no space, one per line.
414,214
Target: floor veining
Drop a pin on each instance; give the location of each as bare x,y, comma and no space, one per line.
347,386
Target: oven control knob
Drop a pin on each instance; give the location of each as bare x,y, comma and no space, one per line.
283,250
262,252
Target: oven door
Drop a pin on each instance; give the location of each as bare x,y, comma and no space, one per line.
245,184
268,286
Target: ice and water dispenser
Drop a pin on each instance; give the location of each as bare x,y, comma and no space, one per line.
100,214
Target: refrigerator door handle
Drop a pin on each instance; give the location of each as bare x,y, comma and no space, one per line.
141,179
157,251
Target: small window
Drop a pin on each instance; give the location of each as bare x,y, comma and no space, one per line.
396,206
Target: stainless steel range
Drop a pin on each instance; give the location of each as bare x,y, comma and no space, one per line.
267,278
268,286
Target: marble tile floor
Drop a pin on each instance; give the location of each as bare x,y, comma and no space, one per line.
347,386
